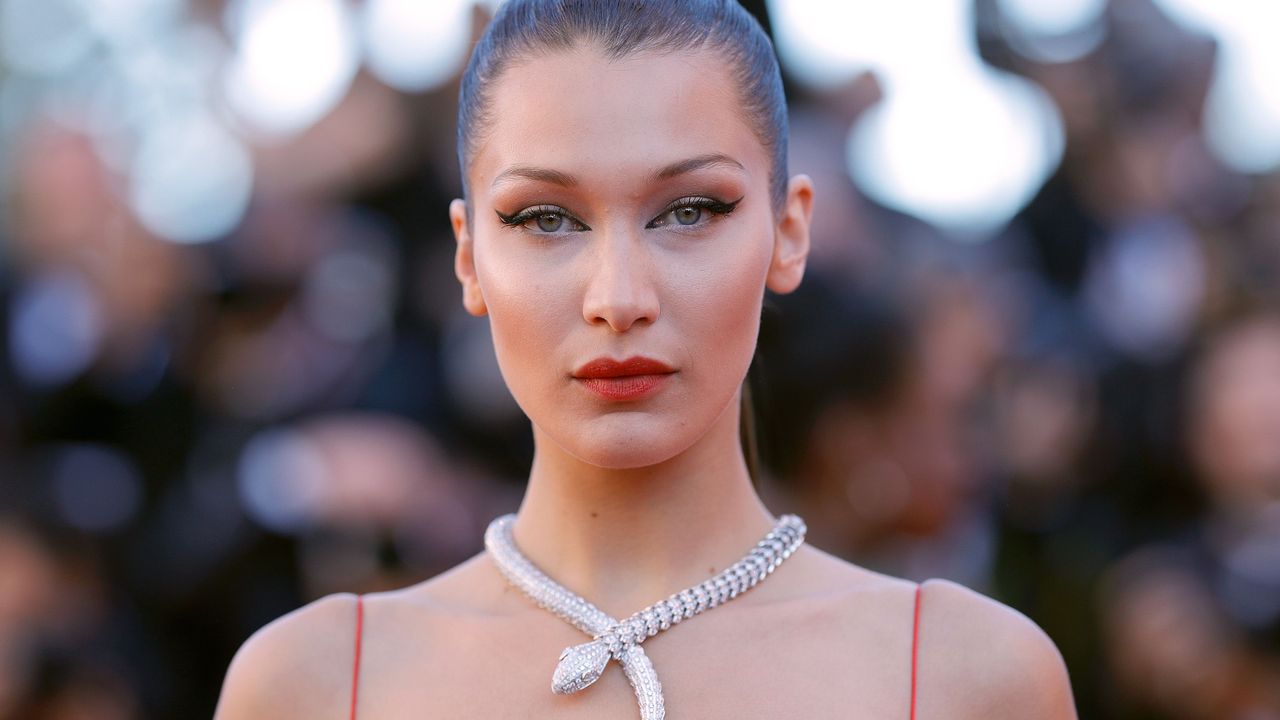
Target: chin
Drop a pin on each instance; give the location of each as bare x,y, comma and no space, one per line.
620,447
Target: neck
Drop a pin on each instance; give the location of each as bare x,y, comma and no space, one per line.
626,538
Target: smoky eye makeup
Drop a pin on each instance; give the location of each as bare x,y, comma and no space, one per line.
687,213
542,218
691,210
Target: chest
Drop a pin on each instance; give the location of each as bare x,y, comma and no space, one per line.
804,663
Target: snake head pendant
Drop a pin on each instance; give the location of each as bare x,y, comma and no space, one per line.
580,666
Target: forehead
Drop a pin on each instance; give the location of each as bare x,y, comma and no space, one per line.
602,118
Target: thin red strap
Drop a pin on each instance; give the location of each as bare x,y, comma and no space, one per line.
915,652
355,672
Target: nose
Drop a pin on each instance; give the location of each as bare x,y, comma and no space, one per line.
621,286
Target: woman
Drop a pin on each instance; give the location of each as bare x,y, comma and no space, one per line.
626,205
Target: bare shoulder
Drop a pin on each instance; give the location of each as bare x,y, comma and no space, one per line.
470,589
981,659
297,666
817,571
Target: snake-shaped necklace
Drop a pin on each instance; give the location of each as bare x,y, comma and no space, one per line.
612,639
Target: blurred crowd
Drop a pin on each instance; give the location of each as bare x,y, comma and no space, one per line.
1079,415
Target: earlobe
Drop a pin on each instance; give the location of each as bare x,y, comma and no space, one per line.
464,260
791,237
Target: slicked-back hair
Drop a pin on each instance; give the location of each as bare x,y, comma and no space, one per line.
620,28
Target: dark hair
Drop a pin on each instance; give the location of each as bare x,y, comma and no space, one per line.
623,27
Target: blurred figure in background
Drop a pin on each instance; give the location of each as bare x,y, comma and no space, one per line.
57,654
1193,624
868,417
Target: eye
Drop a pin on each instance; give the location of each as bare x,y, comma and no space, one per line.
543,220
691,212
687,215
549,222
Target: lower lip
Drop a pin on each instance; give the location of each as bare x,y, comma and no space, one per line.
630,387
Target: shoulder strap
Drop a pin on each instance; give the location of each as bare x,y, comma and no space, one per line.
355,670
915,650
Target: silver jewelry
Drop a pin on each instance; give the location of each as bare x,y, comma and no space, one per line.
612,639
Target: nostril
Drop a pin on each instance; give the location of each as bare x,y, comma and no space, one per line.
622,285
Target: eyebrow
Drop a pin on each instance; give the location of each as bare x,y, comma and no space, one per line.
696,163
546,175
563,179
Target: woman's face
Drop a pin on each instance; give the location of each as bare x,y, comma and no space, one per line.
621,241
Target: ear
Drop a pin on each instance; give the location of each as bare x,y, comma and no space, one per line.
791,237
464,260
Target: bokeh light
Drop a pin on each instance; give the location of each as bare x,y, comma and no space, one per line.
1052,17
415,46
1053,30
55,328
1242,113
123,23
965,155
294,60
282,480
942,109
97,488
191,178
42,37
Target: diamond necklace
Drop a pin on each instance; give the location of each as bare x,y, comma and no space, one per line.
620,640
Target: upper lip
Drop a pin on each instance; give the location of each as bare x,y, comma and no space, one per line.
609,368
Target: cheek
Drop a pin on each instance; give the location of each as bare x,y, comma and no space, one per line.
529,308
718,301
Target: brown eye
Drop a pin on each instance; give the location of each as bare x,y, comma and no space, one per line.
550,222
688,215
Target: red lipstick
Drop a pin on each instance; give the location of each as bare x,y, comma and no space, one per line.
623,380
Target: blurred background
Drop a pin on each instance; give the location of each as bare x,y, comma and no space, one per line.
1038,351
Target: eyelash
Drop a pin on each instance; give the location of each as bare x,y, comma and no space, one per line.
715,207
523,217
533,213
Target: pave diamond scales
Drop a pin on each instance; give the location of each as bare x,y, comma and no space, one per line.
620,640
